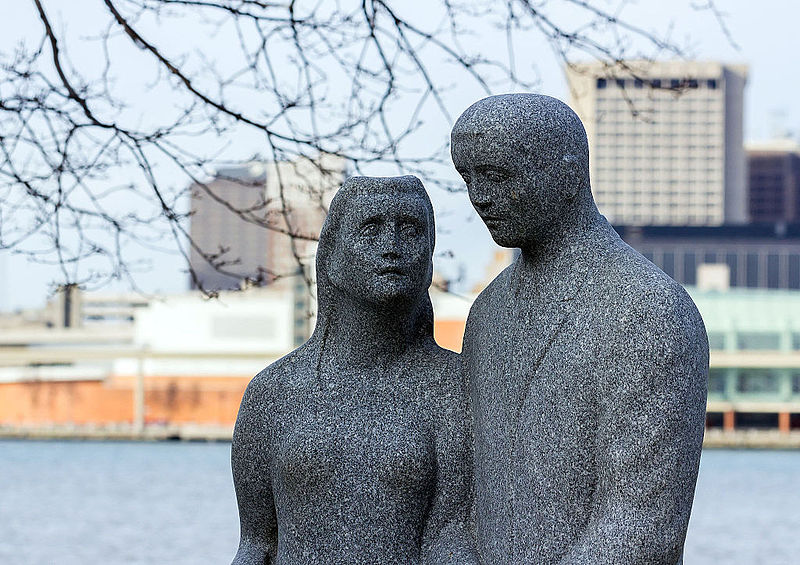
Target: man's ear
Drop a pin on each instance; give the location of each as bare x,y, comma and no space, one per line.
571,176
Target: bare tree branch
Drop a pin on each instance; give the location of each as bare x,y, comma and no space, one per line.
115,114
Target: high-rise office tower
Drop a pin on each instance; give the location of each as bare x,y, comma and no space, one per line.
774,181
220,234
665,140
260,220
299,193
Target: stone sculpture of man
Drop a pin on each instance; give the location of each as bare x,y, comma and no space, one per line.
587,365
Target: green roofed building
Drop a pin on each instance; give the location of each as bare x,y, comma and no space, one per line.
754,337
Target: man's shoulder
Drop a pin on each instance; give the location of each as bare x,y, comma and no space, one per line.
497,287
627,274
633,294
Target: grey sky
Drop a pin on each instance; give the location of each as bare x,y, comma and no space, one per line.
766,33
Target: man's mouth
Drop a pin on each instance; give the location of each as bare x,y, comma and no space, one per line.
491,219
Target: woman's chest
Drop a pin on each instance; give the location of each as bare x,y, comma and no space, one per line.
331,446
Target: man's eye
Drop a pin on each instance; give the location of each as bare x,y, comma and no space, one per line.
495,176
369,230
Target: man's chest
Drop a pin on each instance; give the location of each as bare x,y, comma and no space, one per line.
528,362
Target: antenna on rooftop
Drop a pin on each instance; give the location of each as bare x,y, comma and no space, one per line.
777,124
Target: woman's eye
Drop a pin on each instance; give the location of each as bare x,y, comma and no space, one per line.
369,230
409,230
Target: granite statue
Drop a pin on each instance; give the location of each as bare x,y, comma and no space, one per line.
356,448
586,364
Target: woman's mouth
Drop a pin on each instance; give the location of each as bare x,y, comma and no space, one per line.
396,271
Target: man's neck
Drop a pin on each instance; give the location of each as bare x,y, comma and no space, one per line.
550,265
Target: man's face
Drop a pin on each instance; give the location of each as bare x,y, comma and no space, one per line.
515,195
383,249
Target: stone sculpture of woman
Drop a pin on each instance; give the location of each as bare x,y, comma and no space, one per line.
354,448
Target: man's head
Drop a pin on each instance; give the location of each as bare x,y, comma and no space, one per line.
525,160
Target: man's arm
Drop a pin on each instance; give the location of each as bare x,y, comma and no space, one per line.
652,401
251,462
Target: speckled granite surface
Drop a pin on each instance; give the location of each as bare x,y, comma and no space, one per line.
587,365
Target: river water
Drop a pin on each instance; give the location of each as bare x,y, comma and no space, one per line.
114,503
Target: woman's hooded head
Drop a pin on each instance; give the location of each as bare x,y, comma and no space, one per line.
376,248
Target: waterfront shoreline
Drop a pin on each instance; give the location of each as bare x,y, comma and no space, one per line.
714,438
121,433
751,439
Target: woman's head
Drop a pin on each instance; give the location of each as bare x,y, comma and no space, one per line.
376,245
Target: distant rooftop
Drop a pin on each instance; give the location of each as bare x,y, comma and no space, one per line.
784,145
254,171
769,231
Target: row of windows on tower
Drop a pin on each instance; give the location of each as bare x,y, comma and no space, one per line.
752,269
710,83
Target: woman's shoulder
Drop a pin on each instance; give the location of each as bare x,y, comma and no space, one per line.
285,374
441,369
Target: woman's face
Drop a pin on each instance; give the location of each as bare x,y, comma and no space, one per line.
383,251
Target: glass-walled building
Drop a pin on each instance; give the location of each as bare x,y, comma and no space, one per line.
754,337
754,256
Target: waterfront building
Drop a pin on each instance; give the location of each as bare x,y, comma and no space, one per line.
774,181
179,367
754,338
179,361
665,140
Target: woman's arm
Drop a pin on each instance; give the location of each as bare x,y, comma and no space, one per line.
251,463
449,531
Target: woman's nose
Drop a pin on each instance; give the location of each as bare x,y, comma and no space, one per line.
390,243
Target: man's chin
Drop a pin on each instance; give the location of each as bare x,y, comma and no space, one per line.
505,239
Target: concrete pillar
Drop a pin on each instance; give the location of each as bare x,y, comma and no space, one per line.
138,395
784,423
729,421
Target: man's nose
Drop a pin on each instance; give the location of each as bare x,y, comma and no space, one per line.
480,195
482,200
482,205
390,253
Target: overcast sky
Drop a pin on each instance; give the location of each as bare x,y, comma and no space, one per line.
768,40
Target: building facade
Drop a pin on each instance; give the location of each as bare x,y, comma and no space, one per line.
774,181
180,364
298,193
754,338
223,236
173,364
665,140
259,222
752,256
